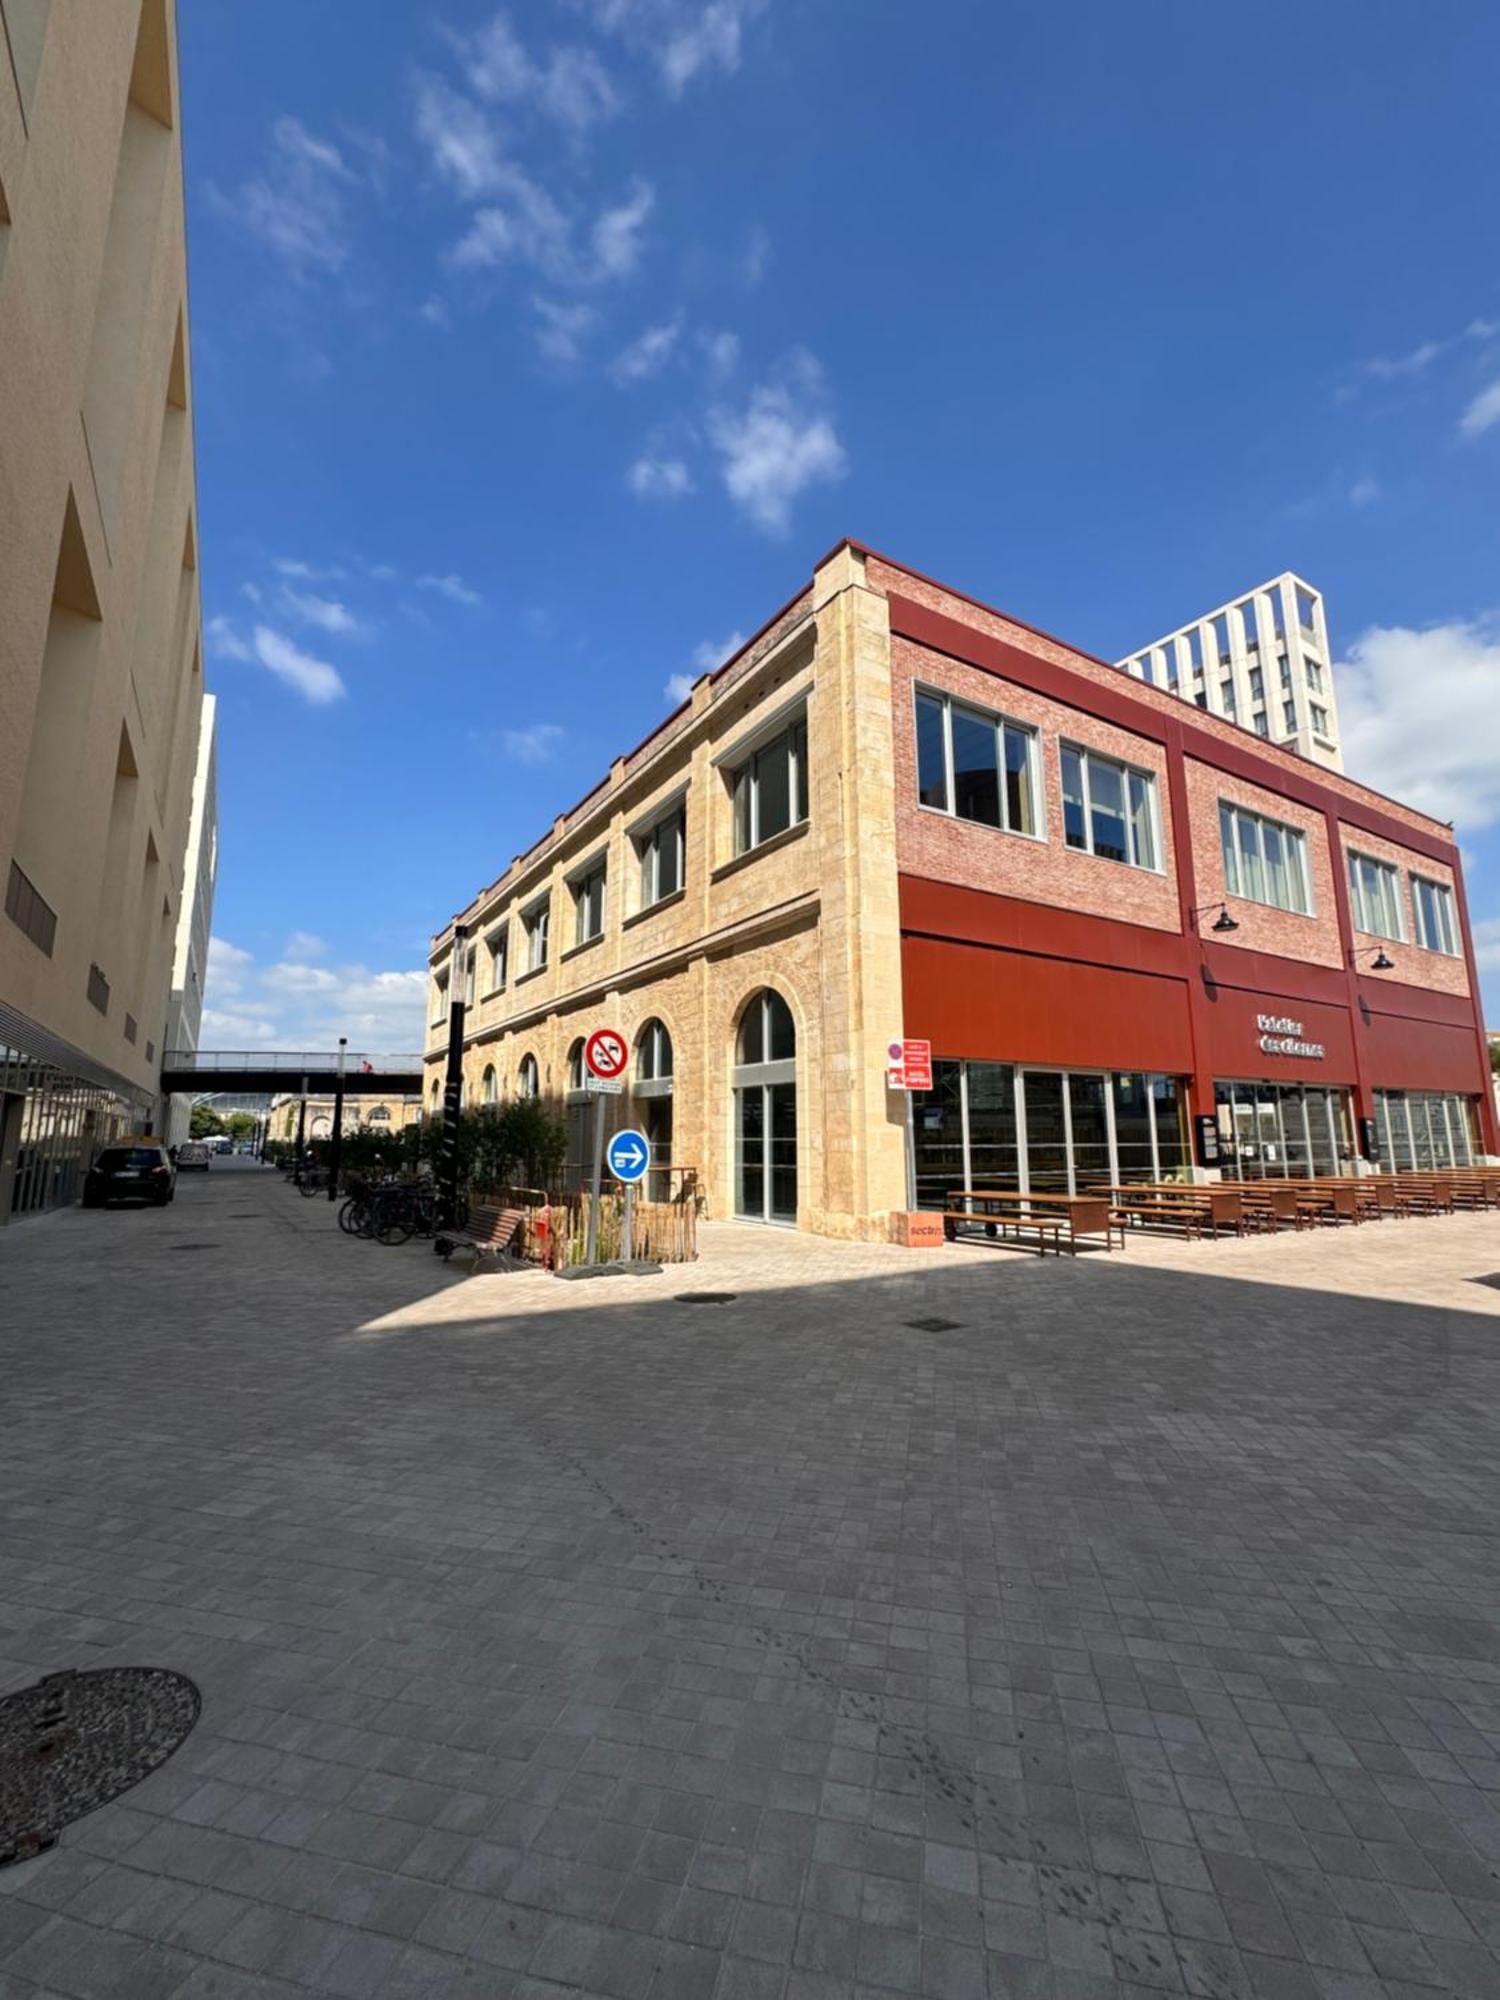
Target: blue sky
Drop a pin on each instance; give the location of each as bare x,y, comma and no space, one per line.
540,353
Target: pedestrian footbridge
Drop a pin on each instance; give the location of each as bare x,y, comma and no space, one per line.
300,1072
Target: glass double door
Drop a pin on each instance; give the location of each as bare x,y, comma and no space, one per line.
765,1152
1067,1130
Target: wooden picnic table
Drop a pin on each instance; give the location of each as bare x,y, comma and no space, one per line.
1085,1214
1178,1202
1275,1199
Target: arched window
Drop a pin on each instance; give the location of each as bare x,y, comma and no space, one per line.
437,1092
528,1080
653,1054
767,1031
487,1088
379,1115
575,1065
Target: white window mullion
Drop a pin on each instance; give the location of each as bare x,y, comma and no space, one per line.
1067,1111
1109,1127
963,1122
1023,1145
1155,1142
948,771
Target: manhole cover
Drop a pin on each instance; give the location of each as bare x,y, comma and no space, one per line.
934,1325
706,1298
74,1741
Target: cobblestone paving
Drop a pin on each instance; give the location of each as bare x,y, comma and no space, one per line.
1138,1634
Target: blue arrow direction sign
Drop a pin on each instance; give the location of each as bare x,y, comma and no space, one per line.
627,1156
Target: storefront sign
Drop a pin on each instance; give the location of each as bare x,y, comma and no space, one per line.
1280,1035
1206,1130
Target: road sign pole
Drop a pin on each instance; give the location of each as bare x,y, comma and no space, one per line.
627,1239
591,1248
911,1155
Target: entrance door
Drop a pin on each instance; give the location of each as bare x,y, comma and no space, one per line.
765,1147
765,1112
1090,1132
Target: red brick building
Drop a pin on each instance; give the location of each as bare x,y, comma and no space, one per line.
1072,981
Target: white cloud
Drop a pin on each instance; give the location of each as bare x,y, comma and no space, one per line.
653,478
305,572
684,38
324,612
1389,369
227,967
462,141
647,354
315,680
1421,718
298,205
1365,491
292,1006
723,352
534,745
521,223
679,687
434,312
561,330
569,84
1483,413
617,233
223,642
712,653
779,444
453,588
303,945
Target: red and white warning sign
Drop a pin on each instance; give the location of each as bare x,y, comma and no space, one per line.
606,1053
910,1065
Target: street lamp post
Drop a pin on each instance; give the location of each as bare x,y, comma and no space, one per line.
336,1150
453,1086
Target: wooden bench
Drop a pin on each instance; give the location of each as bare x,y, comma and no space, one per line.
1045,1228
489,1232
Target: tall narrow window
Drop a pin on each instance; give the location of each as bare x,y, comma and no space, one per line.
528,1082
1432,903
1109,809
1374,889
497,953
588,904
536,925
660,854
770,789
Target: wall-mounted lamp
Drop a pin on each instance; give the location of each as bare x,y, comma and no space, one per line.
1223,922
1381,962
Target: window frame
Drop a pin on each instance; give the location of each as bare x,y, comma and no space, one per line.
580,885
1230,855
538,913
647,843
1358,907
1000,722
794,733
443,984
497,944
528,1070
1157,864
1446,904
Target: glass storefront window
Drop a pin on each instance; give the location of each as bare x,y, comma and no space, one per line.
1419,1128
1286,1131
999,1125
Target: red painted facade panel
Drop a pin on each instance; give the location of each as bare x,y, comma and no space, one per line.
970,1000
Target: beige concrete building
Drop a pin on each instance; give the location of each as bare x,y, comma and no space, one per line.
101,680
899,814
361,1114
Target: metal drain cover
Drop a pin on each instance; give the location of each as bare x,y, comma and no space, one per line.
934,1325
74,1741
706,1298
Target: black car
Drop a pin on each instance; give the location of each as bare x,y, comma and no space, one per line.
138,1170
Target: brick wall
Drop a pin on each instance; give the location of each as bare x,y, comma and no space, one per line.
1413,966
1314,938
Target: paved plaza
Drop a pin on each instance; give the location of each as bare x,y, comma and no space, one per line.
948,1624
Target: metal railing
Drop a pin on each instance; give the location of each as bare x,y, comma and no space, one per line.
291,1062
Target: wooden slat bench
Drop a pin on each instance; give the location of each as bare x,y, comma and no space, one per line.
489,1232
1046,1229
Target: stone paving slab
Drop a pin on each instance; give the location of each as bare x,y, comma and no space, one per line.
1138,1635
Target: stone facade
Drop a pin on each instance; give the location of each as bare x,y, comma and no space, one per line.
101,681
